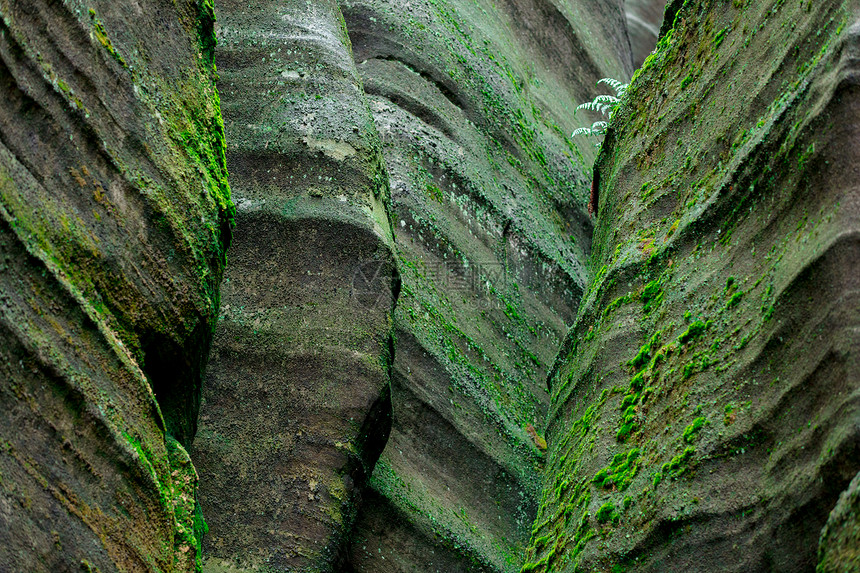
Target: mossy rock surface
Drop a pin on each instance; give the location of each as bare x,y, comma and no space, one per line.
115,216
296,407
718,336
474,105
839,547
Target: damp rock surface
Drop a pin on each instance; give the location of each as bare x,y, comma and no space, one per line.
705,405
296,407
473,102
114,221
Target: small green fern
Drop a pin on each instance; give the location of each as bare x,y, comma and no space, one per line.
604,104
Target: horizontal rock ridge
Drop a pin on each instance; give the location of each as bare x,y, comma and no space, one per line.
705,405
114,219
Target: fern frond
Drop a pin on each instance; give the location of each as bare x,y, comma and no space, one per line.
605,98
605,104
591,106
599,127
619,87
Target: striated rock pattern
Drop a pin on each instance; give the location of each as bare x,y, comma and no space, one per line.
296,406
474,105
114,219
644,18
705,406
702,415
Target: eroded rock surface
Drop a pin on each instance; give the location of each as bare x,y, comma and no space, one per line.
705,406
644,18
114,219
296,407
474,104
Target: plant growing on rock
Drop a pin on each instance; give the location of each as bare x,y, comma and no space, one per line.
605,104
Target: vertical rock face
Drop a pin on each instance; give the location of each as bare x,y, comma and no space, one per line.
114,219
705,406
296,407
474,103
644,18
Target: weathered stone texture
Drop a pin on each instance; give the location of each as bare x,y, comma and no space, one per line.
296,406
474,104
114,219
705,405
839,547
644,18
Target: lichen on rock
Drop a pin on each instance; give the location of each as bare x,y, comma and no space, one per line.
115,216
718,337
297,404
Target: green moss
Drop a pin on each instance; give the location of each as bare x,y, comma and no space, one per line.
720,36
644,355
689,369
620,471
652,296
606,513
612,306
691,432
678,465
729,416
702,266
673,228
687,81
734,300
435,193
695,330
102,36
189,525
646,190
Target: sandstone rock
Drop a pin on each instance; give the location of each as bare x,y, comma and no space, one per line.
114,219
644,18
705,406
474,104
296,406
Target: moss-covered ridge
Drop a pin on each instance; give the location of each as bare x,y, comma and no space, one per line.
145,163
297,403
116,216
717,340
474,105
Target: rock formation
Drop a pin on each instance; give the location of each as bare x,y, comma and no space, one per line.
839,548
393,384
114,220
644,18
705,405
474,104
296,405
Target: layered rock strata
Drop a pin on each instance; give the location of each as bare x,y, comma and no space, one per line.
474,105
114,219
296,406
644,19
705,405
